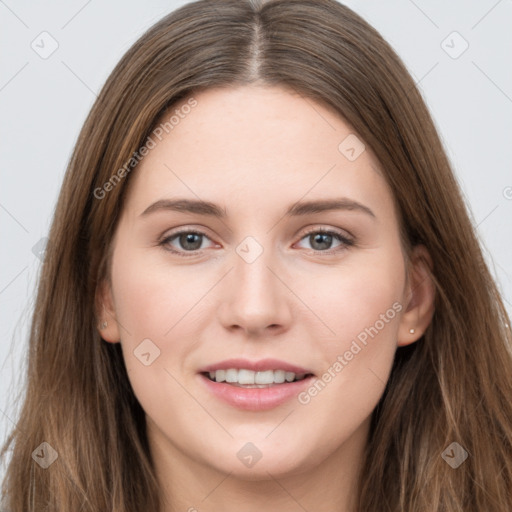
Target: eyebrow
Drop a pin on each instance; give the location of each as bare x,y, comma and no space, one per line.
298,209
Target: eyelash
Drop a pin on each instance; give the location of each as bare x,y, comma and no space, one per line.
345,241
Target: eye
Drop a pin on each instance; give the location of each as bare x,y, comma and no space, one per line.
187,240
190,242
321,240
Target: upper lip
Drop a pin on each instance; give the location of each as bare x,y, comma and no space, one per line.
257,366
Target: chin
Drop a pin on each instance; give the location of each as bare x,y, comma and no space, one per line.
259,460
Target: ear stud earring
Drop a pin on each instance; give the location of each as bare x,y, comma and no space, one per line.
103,324
411,331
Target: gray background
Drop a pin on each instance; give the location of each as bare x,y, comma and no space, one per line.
44,102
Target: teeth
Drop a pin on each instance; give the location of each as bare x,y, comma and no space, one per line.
249,377
231,375
266,377
279,376
246,377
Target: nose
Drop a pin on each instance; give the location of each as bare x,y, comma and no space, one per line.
255,299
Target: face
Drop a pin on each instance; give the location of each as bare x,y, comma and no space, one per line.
294,264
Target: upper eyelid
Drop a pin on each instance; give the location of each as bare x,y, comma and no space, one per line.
198,231
308,231
336,231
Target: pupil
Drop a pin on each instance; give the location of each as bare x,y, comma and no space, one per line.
188,238
322,239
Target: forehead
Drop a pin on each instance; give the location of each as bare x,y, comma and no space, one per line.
262,144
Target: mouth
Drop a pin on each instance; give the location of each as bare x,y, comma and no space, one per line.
249,379
255,390
254,385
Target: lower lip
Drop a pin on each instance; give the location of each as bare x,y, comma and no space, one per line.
256,399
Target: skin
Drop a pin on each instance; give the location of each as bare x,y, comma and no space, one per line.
255,151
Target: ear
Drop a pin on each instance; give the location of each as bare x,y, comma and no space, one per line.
106,313
419,297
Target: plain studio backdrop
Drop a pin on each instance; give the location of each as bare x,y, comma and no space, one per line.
57,55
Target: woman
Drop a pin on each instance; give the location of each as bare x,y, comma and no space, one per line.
263,290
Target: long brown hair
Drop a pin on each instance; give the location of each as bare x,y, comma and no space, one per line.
453,385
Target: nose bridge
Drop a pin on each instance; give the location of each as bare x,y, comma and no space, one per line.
253,280
256,299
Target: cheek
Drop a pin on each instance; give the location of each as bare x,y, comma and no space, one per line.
152,300
156,317
154,309
362,305
362,292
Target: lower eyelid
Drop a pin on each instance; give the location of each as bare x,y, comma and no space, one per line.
345,241
165,241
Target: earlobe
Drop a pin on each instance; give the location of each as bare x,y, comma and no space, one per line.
106,314
420,297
